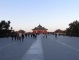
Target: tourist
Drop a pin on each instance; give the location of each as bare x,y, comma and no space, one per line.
15,36
46,35
55,35
22,37
12,36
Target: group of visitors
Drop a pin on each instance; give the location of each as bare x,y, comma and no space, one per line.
31,35
44,35
20,36
17,36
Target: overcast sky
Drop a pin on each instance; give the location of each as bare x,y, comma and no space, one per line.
51,14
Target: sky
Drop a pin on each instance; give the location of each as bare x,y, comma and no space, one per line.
51,14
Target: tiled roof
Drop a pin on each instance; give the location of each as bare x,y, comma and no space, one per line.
39,28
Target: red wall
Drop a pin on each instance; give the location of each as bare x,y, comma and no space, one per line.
39,31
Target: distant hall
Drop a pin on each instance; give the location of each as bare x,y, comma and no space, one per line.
39,29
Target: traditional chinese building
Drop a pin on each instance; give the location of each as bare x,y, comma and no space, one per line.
39,29
21,31
58,31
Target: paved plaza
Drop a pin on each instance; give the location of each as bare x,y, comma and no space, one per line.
40,48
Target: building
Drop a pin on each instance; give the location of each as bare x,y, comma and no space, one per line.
39,29
58,31
21,31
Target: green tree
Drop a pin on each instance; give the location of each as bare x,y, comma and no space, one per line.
4,25
73,28
5,30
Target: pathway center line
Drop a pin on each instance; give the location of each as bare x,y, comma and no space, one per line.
35,52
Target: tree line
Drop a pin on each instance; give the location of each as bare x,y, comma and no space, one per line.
73,29
5,29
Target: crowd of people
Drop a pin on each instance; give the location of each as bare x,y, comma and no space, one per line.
16,36
20,36
46,35
31,35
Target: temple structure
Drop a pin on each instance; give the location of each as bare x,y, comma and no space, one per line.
21,31
39,29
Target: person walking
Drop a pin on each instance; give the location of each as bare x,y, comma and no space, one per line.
46,35
55,35
15,36
22,37
12,36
